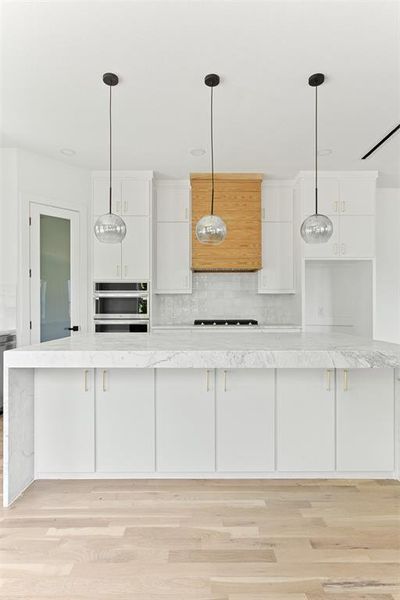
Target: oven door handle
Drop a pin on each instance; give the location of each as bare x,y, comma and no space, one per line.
98,295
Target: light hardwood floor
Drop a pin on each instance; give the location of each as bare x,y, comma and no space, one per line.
208,540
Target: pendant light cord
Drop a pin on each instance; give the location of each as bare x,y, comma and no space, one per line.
110,152
316,150
212,150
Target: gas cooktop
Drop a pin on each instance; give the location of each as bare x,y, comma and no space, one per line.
207,322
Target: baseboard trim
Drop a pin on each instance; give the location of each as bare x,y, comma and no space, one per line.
230,475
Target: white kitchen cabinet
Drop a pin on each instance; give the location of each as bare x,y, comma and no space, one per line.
136,249
305,420
101,196
125,420
127,260
64,421
357,196
185,429
173,202
245,420
328,196
173,273
277,274
357,236
365,417
106,259
277,203
135,197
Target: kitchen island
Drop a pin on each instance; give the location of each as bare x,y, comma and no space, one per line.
200,404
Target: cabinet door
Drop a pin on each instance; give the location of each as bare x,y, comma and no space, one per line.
173,203
135,249
330,249
125,420
101,198
64,421
173,258
245,420
328,196
365,420
357,196
277,258
306,420
357,237
135,197
185,420
277,203
106,260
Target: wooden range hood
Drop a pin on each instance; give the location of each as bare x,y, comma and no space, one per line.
238,203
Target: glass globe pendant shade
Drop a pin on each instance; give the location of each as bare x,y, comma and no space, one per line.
211,229
316,229
110,229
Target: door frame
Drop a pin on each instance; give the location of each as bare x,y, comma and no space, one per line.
35,210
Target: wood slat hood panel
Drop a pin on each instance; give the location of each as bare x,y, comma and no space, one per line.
238,203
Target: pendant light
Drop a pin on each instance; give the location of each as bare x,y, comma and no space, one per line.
110,228
211,229
317,228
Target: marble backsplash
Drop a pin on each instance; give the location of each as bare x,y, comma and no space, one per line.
226,295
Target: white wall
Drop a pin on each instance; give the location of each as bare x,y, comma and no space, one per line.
387,318
8,238
34,178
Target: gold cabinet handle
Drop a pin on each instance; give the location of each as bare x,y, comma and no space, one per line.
225,381
86,374
336,206
104,381
186,214
343,248
125,206
208,380
126,270
343,206
117,270
346,380
328,380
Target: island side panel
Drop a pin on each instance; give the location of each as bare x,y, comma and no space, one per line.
18,432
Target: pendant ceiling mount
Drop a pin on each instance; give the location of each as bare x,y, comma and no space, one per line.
316,79
212,80
317,228
211,229
110,228
110,79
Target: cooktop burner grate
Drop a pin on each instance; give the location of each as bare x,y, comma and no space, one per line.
207,322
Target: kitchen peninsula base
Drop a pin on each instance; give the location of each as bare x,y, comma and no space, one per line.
191,406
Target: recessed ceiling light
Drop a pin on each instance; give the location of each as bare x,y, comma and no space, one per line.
198,152
67,151
324,152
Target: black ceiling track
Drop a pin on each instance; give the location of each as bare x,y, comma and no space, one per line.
383,140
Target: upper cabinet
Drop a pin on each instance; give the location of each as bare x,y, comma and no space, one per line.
238,203
277,273
132,199
348,198
173,273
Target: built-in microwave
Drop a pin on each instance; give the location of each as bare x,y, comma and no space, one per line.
121,300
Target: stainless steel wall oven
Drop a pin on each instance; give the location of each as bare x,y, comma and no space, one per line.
121,306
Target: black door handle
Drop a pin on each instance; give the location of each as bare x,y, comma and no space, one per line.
73,328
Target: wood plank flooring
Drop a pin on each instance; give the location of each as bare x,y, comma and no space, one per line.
203,540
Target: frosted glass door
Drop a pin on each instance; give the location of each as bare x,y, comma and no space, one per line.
53,273
55,278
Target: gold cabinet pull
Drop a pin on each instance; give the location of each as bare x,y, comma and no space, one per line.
208,380
126,206
343,206
104,381
225,380
117,270
126,270
86,373
346,380
336,203
328,380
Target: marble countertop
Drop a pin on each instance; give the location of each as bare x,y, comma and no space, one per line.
208,349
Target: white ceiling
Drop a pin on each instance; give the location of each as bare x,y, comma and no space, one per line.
54,54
